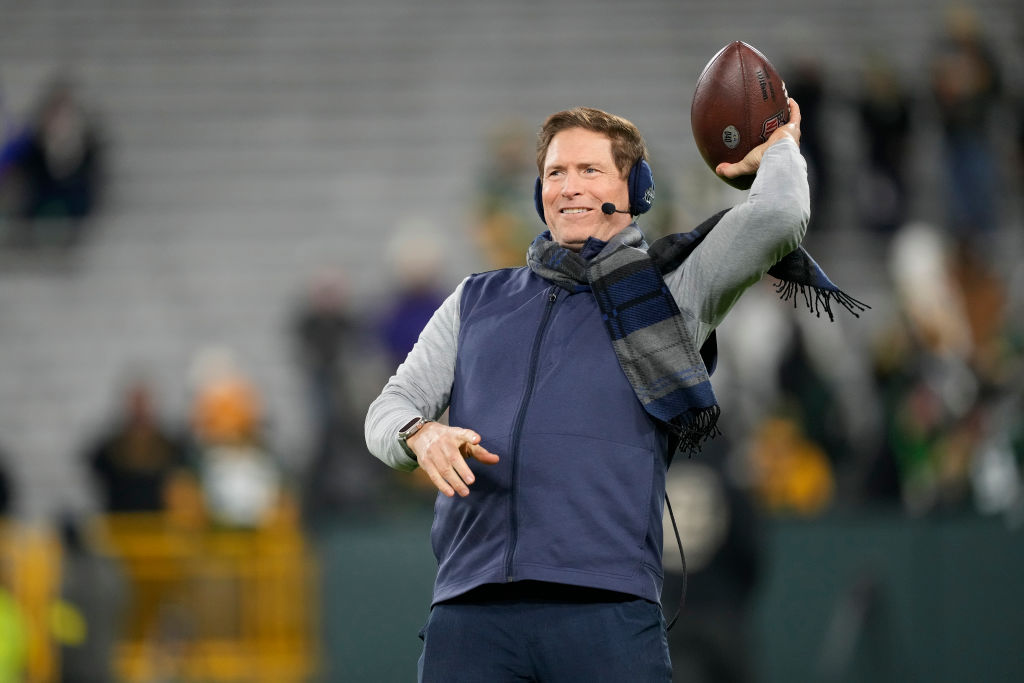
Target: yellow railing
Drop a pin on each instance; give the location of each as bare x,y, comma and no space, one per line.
203,604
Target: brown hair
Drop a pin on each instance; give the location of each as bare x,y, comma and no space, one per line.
627,144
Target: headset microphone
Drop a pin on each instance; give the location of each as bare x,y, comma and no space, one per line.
609,209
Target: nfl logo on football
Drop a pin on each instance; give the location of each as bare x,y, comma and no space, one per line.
731,137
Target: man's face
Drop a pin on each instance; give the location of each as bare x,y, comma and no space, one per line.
579,176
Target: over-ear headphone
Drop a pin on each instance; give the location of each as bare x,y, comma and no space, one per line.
641,190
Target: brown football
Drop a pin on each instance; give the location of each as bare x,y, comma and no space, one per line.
739,101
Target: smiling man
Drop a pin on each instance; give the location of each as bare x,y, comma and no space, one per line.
570,382
579,175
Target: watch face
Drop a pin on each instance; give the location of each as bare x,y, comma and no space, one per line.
409,425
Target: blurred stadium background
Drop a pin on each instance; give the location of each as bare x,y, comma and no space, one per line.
261,160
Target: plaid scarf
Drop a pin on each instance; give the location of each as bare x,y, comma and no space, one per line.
652,344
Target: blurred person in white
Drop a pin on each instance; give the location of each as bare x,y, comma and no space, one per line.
243,484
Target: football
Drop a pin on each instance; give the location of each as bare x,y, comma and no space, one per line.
740,100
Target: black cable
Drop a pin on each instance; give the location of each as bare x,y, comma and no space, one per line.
682,558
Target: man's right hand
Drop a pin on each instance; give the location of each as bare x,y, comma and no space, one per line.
750,163
441,452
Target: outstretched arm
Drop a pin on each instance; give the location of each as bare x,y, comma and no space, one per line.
422,386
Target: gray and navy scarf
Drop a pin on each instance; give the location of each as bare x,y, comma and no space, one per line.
653,346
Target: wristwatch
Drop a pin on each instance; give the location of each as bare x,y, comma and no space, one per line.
411,427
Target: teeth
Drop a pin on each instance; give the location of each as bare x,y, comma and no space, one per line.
573,210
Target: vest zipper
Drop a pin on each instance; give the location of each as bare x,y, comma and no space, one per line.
517,427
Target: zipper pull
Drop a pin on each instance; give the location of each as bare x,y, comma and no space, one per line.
553,296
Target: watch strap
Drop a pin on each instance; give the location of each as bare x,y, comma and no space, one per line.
408,430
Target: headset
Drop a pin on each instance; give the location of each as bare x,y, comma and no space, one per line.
641,192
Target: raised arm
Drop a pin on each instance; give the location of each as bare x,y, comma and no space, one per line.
752,236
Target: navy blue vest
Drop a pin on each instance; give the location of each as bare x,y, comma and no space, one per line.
578,495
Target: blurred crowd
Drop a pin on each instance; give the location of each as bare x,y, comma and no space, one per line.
920,412
917,412
923,412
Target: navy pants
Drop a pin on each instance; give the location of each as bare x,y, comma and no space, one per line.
545,641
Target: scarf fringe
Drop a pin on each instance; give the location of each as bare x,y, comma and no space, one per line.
817,299
702,426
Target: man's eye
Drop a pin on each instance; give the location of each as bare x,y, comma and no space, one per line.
552,174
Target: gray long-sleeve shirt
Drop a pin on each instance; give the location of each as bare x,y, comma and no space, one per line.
747,241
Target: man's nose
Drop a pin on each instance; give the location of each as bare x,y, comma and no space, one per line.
570,186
